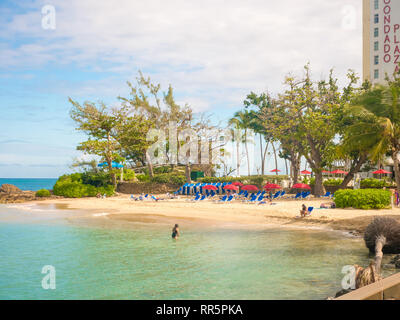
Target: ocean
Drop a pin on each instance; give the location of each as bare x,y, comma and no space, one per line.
30,184
141,261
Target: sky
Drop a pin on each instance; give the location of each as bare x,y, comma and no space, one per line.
212,52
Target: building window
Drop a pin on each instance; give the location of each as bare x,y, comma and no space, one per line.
376,74
376,4
376,60
376,45
376,32
376,18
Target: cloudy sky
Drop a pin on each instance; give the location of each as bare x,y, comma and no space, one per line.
213,52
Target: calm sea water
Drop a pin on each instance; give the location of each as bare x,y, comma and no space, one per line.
145,263
29,184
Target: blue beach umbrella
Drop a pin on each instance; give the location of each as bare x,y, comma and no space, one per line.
113,164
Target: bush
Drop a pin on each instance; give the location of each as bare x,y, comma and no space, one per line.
129,175
373,183
143,177
171,178
333,182
43,193
72,186
97,179
363,199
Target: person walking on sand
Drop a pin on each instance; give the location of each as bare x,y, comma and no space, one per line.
175,232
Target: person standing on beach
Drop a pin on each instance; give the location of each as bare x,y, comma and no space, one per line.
175,232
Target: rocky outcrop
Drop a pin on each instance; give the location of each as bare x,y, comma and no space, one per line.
9,189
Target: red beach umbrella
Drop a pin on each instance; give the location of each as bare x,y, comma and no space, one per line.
272,186
305,172
339,172
231,187
275,170
237,184
210,187
250,188
325,171
301,186
381,171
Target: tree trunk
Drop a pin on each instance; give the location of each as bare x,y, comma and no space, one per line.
261,155
396,169
275,157
149,164
263,159
296,166
319,189
187,173
247,154
353,170
238,157
286,165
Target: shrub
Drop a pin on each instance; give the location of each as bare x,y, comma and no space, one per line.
333,182
72,186
43,193
143,177
373,183
363,199
129,175
97,179
172,178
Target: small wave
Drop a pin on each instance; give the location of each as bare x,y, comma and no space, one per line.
102,214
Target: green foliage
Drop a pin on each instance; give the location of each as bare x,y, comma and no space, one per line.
43,193
143,177
96,179
171,178
72,186
363,199
129,174
333,182
374,183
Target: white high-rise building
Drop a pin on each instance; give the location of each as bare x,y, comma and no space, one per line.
381,39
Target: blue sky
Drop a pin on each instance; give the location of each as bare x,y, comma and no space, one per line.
212,52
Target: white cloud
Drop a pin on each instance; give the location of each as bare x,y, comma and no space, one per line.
212,51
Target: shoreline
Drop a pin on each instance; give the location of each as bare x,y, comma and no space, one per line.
120,209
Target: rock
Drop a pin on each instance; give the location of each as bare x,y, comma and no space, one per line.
342,292
10,189
396,261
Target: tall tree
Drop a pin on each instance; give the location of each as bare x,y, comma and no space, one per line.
380,110
100,124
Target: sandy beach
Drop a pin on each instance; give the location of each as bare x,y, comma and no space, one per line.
282,213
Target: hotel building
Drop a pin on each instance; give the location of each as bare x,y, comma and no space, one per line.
381,39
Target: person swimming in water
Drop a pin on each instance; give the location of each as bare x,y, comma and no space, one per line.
175,232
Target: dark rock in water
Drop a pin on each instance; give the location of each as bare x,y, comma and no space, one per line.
10,189
396,261
342,292
386,227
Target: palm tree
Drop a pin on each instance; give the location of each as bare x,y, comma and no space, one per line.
243,120
380,107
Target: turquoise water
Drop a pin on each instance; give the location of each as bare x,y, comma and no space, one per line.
30,184
142,262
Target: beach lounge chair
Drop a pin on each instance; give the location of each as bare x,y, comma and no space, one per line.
197,197
230,198
282,194
260,198
202,197
327,195
276,195
223,198
298,195
309,210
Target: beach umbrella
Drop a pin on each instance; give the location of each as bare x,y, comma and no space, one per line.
113,164
305,172
250,187
275,170
381,171
339,172
231,187
210,187
272,186
238,184
301,186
